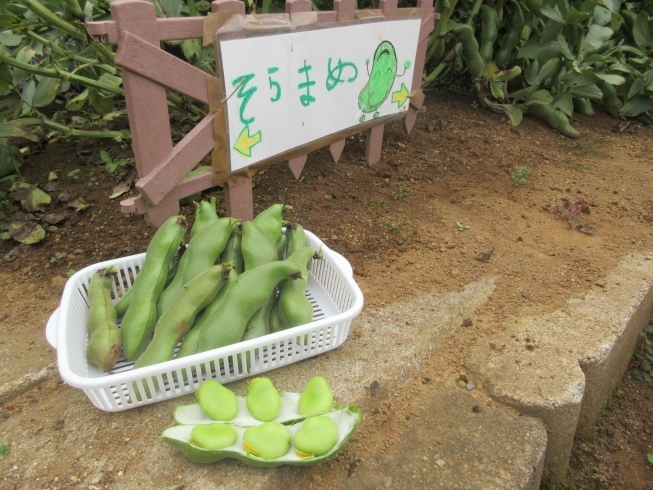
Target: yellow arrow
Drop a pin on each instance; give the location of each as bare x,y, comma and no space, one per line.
401,96
246,141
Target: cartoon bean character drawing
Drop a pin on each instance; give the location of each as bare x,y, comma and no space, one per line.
382,77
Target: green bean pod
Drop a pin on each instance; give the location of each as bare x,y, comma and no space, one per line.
232,252
465,35
209,449
205,214
126,299
276,325
207,246
297,239
511,37
105,341
294,307
99,299
104,346
256,247
582,105
613,103
202,252
489,32
259,324
177,320
554,118
190,343
282,243
216,304
140,318
248,293
270,220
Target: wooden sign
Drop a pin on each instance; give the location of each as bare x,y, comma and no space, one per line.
286,90
319,78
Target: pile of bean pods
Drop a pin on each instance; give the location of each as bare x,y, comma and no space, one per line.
264,428
230,283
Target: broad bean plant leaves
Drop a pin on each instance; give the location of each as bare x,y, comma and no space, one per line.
55,79
571,55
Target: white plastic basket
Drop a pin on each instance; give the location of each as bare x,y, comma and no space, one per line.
336,300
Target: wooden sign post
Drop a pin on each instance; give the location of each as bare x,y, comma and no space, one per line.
286,85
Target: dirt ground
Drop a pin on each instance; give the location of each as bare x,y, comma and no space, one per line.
443,208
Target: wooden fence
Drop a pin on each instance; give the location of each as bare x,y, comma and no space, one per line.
148,70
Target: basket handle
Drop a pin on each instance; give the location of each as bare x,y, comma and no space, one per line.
52,328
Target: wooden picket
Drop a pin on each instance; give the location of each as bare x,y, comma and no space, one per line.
147,71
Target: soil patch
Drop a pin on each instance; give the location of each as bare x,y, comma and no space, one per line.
442,209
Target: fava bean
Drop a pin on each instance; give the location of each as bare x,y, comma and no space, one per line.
296,238
556,119
105,341
248,293
232,252
282,243
205,214
259,324
140,318
465,35
259,451
489,32
276,325
126,299
263,400
214,436
584,106
216,401
511,37
316,437
175,322
99,299
316,398
270,440
202,252
270,220
294,307
256,246
612,103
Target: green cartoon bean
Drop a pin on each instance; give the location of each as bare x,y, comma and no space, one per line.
382,77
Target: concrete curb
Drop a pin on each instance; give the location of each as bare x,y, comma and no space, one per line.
561,367
457,444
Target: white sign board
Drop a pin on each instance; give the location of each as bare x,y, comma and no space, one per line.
287,90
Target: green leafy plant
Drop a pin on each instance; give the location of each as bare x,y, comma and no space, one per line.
643,358
461,226
57,257
521,174
401,192
74,174
549,58
393,228
111,164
